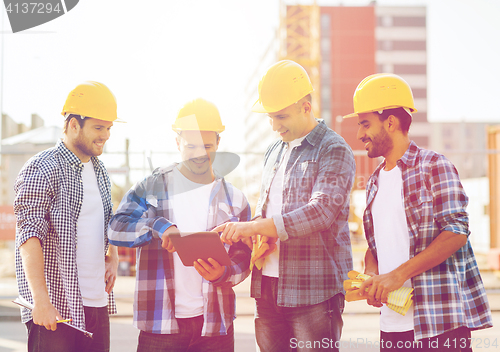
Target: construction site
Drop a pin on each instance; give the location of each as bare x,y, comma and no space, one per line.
338,46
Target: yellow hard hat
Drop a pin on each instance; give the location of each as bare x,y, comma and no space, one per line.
284,83
91,99
198,115
380,92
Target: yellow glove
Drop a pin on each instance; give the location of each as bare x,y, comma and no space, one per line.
262,248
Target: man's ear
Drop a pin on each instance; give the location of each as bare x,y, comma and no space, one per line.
307,107
73,125
177,141
393,123
218,140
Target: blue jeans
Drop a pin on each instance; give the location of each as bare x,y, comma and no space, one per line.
310,328
66,339
189,339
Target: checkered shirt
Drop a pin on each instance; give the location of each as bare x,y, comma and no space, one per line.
451,294
140,221
49,196
315,246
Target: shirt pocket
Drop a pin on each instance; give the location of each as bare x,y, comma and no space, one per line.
418,208
303,177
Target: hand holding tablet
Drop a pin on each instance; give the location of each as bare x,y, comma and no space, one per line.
192,246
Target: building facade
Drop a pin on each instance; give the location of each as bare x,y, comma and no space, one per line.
354,42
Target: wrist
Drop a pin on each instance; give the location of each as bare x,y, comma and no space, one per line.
41,298
255,226
400,274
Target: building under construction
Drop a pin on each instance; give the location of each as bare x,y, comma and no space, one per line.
339,46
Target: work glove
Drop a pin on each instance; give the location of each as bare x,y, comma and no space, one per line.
262,247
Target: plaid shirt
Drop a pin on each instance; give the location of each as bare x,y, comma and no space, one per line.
451,294
140,221
315,244
49,196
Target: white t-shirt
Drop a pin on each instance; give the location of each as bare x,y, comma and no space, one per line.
392,240
191,202
274,204
90,242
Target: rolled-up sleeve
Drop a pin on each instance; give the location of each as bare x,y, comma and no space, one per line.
449,198
31,205
133,225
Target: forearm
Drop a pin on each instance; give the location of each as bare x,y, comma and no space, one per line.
264,227
112,252
126,230
438,251
33,264
111,267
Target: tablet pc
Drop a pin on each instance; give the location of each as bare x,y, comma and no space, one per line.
192,246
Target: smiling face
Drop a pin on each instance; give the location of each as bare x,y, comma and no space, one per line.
197,151
293,121
372,132
89,140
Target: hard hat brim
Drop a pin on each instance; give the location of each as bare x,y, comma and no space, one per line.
177,129
350,115
356,114
258,107
103,119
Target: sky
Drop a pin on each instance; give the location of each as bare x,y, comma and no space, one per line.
156,55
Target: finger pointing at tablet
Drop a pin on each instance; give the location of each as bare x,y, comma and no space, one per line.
235,231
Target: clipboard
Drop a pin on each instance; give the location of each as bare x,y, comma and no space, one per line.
192,246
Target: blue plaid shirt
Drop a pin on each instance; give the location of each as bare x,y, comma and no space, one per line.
315,244
451,294
140,221
49,196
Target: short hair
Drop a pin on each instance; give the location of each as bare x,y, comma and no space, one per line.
308,98
81,121
401,114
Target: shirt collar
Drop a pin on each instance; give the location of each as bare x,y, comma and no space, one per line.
409,158
70,157
315,135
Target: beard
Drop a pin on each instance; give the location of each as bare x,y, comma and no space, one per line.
86,146
381,144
